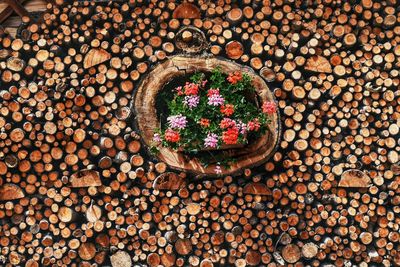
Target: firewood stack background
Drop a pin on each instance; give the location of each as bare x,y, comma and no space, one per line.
78,188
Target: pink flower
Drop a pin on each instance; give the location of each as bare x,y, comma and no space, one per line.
177,121
203,83
242,127
191,101
211,140
216,100
157,138
269,107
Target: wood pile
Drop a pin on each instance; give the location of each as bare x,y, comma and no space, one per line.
77,187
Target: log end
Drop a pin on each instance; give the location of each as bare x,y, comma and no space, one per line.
318,64
257,189
85,178
95,56
10,192
186,11
354,178
169,181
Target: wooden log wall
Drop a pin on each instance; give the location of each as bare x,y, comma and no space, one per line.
78,189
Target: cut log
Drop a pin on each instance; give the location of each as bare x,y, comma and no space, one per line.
87,251
15,64
169,181
10,192
309,250
291,253
257,189
193,208
95,56
318,64
93,213
186,11
234,49
354,178
183,246
121,259
85,178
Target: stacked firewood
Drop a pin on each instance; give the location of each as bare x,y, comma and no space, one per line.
78,188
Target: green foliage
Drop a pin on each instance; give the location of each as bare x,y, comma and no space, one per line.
237,90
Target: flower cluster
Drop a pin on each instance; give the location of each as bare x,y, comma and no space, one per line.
213,111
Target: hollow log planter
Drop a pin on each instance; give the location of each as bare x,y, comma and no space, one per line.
144,105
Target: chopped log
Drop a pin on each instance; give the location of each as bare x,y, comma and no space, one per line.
318,64
10,192
95,56
85,178
183,246
291,253
15,64
354,178
169,181
93,213
257,189
87,251
65,214
309,250
193,208
121,259
186,11
234,49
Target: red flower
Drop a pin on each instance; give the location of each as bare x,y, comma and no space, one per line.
226,123
172,136
205,122
212,92
227,109
191,89
234,77
230,136
269,107
253,125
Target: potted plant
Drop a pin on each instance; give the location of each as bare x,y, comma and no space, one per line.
212,111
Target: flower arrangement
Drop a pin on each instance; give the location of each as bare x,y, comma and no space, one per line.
213,111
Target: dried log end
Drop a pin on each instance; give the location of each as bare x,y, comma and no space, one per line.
15,64
354,178
95,56
186,11
169,181
257,189
121,259
291,253
10,192
318,64
87,251
234,49
183,246
85,178
309,250
193,208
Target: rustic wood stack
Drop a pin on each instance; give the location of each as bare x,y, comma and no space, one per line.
77,187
